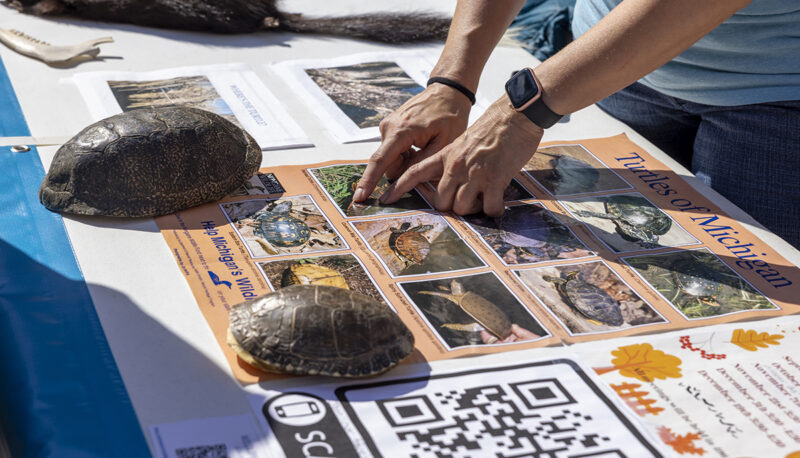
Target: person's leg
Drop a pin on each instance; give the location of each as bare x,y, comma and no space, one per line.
751,155
657,117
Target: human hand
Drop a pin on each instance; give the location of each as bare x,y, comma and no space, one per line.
474,170
429,121
518,333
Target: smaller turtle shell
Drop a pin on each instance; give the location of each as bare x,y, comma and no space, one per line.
149,162
313,329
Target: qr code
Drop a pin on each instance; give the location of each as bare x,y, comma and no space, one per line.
203,451
512,414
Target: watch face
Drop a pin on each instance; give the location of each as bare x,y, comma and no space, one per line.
521,88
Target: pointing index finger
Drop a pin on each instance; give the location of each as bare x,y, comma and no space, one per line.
389,150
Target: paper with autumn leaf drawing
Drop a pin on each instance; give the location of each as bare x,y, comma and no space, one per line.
729,390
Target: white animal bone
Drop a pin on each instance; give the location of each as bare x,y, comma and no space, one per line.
48,53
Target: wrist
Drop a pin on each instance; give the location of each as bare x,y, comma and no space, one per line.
505,113
451,95
451,83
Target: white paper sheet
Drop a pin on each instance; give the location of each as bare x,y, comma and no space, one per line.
403,74
514,404
231,90
235,436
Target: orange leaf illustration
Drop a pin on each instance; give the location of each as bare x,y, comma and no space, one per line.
680,443
642,362
751,340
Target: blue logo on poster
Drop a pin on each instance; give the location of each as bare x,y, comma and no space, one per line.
215,278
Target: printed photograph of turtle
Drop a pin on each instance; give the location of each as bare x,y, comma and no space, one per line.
473,310
698,283
340,181
628,222
417,244
192,91
567,170
527,233
366,92
341,271
273,227
515,191
588,297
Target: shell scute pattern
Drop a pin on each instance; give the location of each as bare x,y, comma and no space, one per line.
149,162
314,329
588,299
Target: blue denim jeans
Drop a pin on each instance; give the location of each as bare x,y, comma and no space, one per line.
750,153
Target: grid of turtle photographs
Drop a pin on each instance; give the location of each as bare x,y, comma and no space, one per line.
339,183
473,310
478,281
339,270
289,225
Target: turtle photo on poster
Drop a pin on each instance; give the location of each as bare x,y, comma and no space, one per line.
417,244
192,91
588,297
340,181
516,191
526,234
366,92
567,170
339,270
698,283
289,225
473,310
628,222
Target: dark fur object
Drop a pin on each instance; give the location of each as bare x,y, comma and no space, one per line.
242,16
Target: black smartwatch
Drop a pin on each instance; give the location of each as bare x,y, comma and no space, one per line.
525,93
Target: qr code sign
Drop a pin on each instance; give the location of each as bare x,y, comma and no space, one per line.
546,411
203,451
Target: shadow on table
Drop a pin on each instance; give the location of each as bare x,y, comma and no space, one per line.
61,388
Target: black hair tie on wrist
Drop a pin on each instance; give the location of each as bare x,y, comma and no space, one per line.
455,85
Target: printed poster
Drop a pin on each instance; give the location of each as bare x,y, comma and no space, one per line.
634,250
726,391
490,407
232,91
352,94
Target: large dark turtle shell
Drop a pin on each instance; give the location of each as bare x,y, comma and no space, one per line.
149,162
319,330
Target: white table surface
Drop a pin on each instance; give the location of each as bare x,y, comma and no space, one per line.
171,364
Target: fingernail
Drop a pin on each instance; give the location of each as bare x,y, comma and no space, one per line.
358,196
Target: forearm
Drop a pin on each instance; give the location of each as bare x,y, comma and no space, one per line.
476,29
634,39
